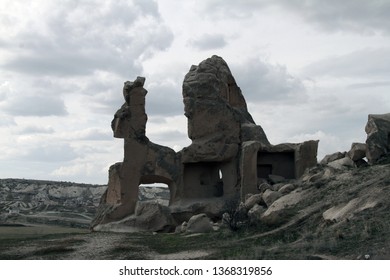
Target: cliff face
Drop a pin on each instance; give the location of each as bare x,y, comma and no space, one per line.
61,203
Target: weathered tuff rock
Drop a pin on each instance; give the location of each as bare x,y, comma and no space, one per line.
288,160
228,155
253,200
342,212
279,212
357,151
254,214
216,111
378,137
199,224
333,157
342,163
270,196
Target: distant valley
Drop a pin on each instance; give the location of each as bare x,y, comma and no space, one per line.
24,201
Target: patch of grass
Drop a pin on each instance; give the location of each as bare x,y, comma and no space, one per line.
55,250
35,231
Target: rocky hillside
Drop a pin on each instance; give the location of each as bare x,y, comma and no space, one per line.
25,201
335,211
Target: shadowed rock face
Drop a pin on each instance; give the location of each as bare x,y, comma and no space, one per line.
216,111
222,163
378,137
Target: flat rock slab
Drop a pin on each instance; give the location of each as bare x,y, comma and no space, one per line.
346,210
278,212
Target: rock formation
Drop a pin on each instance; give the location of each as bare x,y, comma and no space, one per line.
228,157
378,137
144,162
376,148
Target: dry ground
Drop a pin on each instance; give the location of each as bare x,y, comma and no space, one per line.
305,236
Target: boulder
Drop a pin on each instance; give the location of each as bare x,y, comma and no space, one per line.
333,157
264,186
148,216
152,216
181,228
357,151
342,163
254,214
378,137
344,211
199,224
213,208
287,189
253,200
315,177
270,196
281,210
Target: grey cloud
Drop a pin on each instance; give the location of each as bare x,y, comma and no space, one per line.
261,81
32,129
208,42
3,94
369,85
164,100
360,16
50,153
362,63
35,106
233,9
102,94
61,63
95,134
167,136
82,37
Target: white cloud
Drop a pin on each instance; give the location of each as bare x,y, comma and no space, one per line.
6,120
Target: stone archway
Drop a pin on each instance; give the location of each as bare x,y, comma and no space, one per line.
158,179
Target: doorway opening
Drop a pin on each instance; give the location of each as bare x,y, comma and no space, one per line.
276,163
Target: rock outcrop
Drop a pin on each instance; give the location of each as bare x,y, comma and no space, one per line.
228,155
376,148
199,224
144,162
378,137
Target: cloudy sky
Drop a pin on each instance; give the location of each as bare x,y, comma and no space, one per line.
308,70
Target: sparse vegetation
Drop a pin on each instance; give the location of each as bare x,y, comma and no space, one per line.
235,216
306,235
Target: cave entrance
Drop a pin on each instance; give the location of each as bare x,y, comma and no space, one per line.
276,163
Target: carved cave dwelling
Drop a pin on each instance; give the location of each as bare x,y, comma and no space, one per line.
228,158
